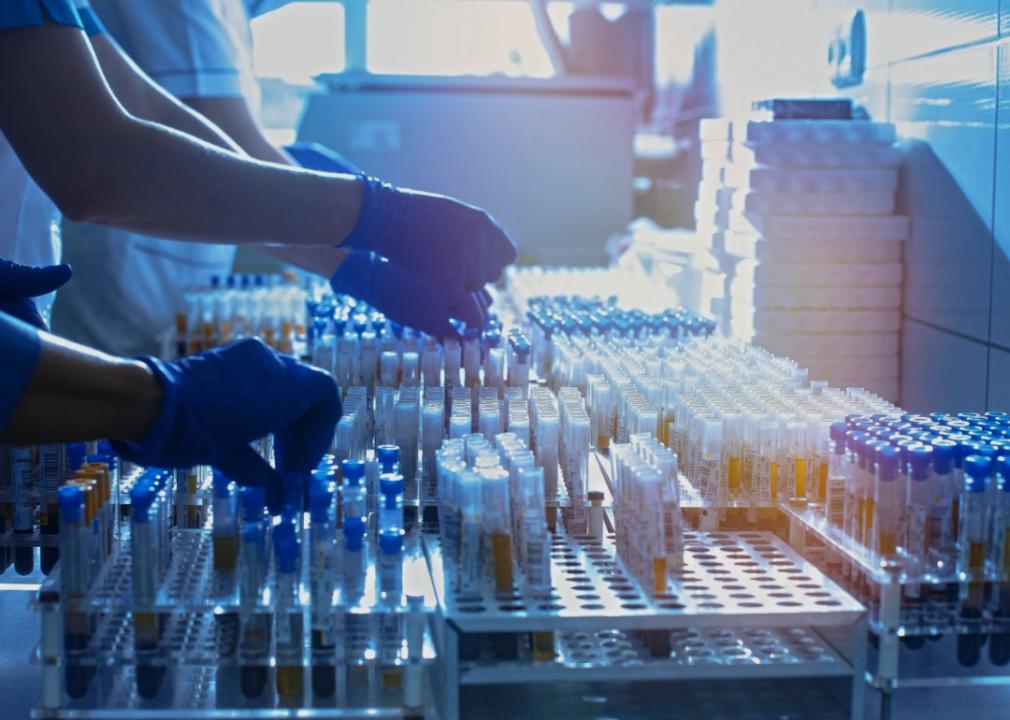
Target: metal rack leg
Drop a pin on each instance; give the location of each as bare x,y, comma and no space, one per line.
450,672
858,662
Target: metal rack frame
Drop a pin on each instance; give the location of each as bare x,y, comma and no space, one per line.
748,591
884,674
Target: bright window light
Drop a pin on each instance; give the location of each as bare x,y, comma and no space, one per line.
299,41
447,37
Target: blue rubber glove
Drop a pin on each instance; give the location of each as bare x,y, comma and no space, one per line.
217,402
407,298
20,283
437,238
313,156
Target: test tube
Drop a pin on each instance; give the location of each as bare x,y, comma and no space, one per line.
413,684
352,489
471,357
469,574
596,514
144,569
489,418
22,486
835,491
390,502
51,472
941,537
917,509
887,500
225,533
431,364
974,541
548,430
410,369
432,433
73,578
999,641
255,624
322,579
391,565
354,570
494,480
453,360
288,629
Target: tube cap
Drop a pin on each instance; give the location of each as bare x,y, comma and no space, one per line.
76,452
838,437
976,473
944,452
391,484
388,456
887,462
71,499
1003,466
919,458
390,541
353,471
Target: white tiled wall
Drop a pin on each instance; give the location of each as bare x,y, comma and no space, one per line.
940,69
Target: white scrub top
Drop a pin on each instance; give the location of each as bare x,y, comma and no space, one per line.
127,287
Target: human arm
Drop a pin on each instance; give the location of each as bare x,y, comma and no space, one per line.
234,116
145,99
112,168
204,409
58,391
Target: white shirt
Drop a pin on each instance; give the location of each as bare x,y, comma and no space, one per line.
127,287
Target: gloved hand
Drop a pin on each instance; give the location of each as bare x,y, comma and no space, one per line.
439,239
407,298
217,402
313,156
20,283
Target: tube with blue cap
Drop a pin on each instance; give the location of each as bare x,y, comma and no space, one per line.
999,642
358,636
322,583
353,494
390,502
917,509
225,532
144,575
974,542
255,625
73,579
287,613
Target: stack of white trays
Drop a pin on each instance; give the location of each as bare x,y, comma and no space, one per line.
805,211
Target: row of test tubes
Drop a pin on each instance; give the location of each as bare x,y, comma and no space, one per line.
239,306
327,576
926,499
493,520
647,513
29,484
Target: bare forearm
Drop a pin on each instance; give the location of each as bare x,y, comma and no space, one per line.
144,99
79,394
165,183
101,164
